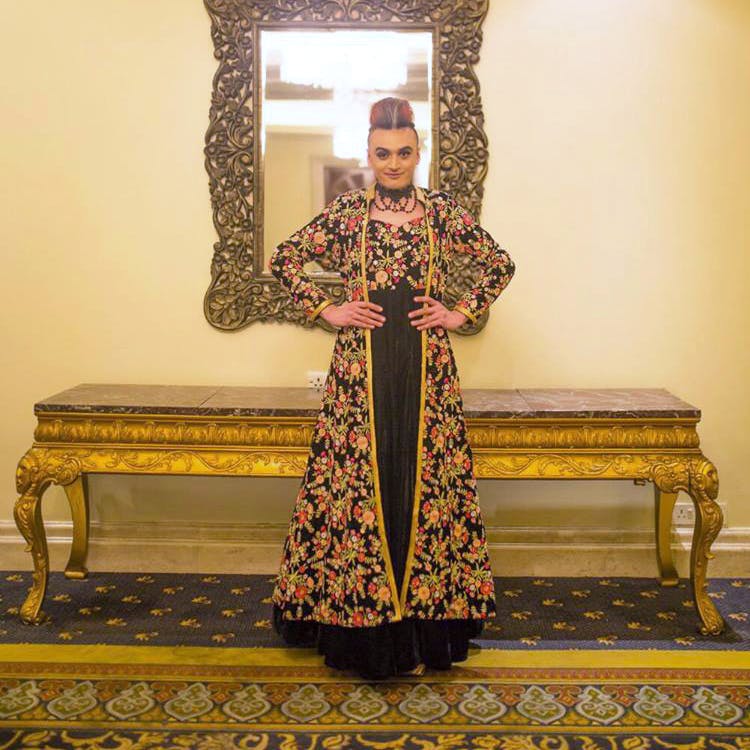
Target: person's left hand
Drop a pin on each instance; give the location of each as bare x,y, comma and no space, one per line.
434,313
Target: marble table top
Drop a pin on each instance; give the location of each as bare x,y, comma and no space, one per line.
250,401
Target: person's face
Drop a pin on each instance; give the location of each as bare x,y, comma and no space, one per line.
393,156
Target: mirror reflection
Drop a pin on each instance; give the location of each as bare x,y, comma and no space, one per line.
317,86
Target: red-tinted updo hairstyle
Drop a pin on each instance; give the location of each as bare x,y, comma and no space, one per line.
391,113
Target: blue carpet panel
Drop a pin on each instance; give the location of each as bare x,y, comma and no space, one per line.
164,609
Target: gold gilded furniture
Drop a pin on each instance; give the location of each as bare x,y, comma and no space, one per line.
640,434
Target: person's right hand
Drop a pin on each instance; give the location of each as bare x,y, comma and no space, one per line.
362,314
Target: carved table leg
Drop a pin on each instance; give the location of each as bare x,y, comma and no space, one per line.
38,469
697,476
663,506
704,489
28,517
78,498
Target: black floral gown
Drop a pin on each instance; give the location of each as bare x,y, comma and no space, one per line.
396,273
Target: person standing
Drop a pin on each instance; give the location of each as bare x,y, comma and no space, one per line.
385,568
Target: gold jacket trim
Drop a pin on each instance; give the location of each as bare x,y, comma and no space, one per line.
322,306
399,601
470,315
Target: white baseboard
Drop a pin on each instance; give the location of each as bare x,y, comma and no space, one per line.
169,546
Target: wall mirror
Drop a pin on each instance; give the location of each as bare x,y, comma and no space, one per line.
288,127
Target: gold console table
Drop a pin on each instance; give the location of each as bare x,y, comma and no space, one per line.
639,434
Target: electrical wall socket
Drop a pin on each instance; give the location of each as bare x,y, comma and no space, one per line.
316,379
684,514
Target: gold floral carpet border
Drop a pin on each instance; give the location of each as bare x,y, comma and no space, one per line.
141,661
100,696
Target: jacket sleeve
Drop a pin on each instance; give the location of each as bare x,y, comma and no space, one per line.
495,264
318,240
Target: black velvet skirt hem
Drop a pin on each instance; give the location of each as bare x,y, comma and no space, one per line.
385,650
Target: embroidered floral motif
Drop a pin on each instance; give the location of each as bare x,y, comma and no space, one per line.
466,236
396,252
334,565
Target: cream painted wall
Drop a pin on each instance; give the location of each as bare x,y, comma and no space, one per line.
619,181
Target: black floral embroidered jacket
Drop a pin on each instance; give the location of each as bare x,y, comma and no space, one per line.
335,566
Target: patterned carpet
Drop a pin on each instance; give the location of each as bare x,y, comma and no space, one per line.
235,610
180,661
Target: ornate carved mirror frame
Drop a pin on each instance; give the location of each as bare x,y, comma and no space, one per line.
240,293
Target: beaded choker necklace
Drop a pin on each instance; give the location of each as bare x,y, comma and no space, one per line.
397,200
